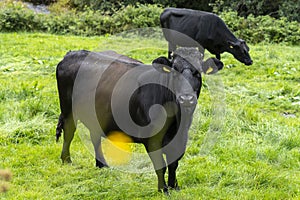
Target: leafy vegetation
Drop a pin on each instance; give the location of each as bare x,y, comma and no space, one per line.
257,150
15,16
263,28
274,8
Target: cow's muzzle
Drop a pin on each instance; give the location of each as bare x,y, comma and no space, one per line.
247,61
187,100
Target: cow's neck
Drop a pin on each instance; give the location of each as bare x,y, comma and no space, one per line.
230,38
224,36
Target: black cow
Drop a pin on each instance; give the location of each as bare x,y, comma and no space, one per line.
186,27
109,92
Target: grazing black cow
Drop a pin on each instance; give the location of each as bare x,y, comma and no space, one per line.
109,92
186,27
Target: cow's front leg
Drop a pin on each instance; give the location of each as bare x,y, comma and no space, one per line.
174,152
160,170
172,180
218,56
156,156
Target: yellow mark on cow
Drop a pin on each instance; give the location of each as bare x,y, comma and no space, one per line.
116,148
231,47
166,69
209,70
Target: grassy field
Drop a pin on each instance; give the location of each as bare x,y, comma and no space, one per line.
257,145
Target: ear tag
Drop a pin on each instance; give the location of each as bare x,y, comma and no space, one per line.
210,69
231,47
165,69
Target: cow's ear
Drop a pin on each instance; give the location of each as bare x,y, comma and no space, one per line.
162,60
162,64
212,66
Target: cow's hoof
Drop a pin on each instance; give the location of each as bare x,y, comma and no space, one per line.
99,164
176,188
164,190
66,160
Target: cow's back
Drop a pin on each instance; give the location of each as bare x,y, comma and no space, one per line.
86,63
202,28
179,19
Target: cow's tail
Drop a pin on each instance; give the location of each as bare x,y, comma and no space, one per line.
59,127
164,18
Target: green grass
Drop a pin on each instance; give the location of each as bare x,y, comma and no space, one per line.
257,150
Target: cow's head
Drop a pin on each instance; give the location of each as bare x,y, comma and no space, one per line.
240,50
186,78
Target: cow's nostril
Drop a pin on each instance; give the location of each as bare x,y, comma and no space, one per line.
187,99
248,62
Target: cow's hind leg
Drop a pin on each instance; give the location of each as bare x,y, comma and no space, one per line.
69,128
96,140
160,170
